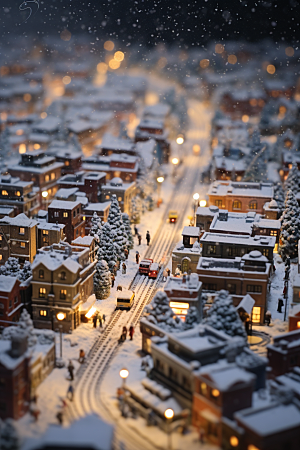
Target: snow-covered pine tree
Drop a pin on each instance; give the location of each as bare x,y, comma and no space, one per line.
293,179
224,317
160,313
96,227
279,196
5,145
107,249
11,267
134,212
290,228
9,439
26,272
192,318
150,202
126,223
117,227
25,323
102,280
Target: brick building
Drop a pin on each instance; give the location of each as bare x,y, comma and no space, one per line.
124,192
154,129
116,165
19,195
10,300
89,183
183,293
69,214
67,155
284,353
50,233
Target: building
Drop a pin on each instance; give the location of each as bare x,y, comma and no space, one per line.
240,196
42,170
18,195
154,129
183,293
50,233
86,242
10,300
240,276
119,165
124,192
228,246
69,214
6,211
115,145
102,210
186,254
62,279
284,353
271,210
18,238
68,156
294,317
89,183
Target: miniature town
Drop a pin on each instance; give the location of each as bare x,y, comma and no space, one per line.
149,229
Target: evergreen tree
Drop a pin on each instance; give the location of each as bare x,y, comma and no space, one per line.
11,267
107,249
224,317
126,222
117,227
292,181
150,202
192,318
5,145
9,439
134,212
290,228
96,227
102,280
25,324
279,196
160,313
26,272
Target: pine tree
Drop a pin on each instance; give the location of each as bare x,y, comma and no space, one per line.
290,228
9,439
292,181
26,272
160,313
25,324
134,212
126,222
5,145
96,227
107,249
192,318
150,202
117,227
224,317
102,280
11,267
279,196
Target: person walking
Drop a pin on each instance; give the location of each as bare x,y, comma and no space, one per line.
70,392
137,257
103,318
140,239
123,269
100,321
168,272
60,417
124,332
148,238
131,332
81,356
280,305
268,317
112,278
71,370
126,252
95,318
135,230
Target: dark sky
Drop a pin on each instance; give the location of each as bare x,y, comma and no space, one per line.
190,22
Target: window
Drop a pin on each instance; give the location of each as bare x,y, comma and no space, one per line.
63,276
16,299
203,389
63,294
52,176
253,204
218,203
67,163
18,193
273,233
21,230
1,257
209,287
74,213
4,192
43,312
47,178
233,251
65,214
10,303
237,204
256,314
231,288
42,293
212,250
119,199
107,197
45,232
77,210
22,244
254,288
265,252
0,237
41,273
56,213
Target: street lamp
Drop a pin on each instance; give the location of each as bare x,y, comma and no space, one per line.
180,139
123,374
60,316
159,181
175,161
196,198
203,203
169,414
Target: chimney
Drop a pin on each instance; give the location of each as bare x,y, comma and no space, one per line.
18,344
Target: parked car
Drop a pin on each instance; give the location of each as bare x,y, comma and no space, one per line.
145,266
154,270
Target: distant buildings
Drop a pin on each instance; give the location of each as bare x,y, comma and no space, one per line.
124,192
19,195
10,300
69,214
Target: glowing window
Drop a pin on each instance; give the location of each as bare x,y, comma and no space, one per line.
237,204
234,442
298,324
253,204
215,393
18,193
21,230
273,233
22,244
4,192
47,178
41,273
63,294
42,293
65,214
45,232
256,314
43,312
52,176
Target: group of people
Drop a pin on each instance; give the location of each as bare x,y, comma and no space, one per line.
97,316
139,237
124,333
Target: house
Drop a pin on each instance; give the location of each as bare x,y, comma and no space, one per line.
62,279
18,238
18,195
6,211
89,183
10,300
271,210
186,253
240,101
102,210
240,196
154,129
69,214
119,165
240,276
284,353
42,170
294,317
183,293
115,145
50,233
124,192
69,156
89,131
44,131
86,242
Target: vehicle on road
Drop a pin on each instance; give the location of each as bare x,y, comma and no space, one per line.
125,298
145,266
154,270
173,215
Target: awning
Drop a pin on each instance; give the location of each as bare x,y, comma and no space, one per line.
246,304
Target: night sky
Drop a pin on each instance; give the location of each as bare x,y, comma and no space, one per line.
190,22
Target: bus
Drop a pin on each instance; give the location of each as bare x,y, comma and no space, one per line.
125,299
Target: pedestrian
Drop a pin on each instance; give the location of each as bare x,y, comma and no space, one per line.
112,277
137,257
71,370
165,274
124,332
140,239
126,253
131,332
70,392
148,238
201,435
168,272
95,318
81,356
60,417
135,230
280,305
268,317
100,321
103,318
123,269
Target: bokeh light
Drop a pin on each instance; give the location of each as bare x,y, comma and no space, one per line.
232,59
109,45
271,69
119,56
204,63
67,79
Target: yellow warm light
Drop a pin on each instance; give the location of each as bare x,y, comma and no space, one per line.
196,148
27,97
232,59
271,69
109,46
204,63
180,140
180,305
160,179
215,393
203,203
58,91
282,110
60,316
245,118
119,56
36,146
3,116
289,51
169,413
179,311
44,194
22,149
219,48
234,442
102,68
298,324
175,161
65,35
91,312
19,132
44,115
196,196
124,373
67,79
113,64
252,447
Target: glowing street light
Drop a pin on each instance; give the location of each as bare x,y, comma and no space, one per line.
180,139
44,194
159,180
60,316
123,374
175,161
203,203
196,196
169,414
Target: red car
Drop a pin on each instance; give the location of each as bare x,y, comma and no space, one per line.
145,266
154,270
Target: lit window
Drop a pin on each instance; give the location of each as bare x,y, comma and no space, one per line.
1,237
18,193
252,447
218,203
107,197
67,163
65,214
253,204
298,324
45,232
42,293
254,288
256,314
237,204
41,273
22,244
63,294
63,276
52,176
21,230
273,233
47,178
1,257
215,393
43,312
4,192
119,199
203,387
234,442
265,252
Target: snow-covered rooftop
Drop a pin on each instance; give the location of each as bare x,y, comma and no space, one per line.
21,220
191,231
83,240
241,189
65,193
7,283
63,204
53,260
238,239
227,377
